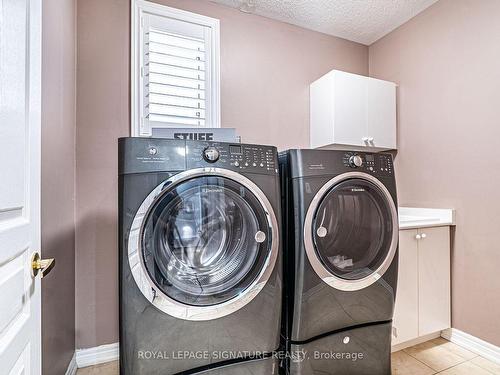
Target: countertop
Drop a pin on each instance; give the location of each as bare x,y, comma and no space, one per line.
413,217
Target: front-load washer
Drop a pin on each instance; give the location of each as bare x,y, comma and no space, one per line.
200,263
341,242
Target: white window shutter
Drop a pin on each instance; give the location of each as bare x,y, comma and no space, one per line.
178,68
174,79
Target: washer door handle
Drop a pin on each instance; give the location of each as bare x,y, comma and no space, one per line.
260,236
321,232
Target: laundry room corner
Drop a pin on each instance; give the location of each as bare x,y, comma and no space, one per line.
103,107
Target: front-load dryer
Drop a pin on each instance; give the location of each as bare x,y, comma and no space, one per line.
200,262
341,244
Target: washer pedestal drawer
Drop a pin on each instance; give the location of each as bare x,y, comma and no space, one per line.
268,366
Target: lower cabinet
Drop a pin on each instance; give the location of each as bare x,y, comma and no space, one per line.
423,298
405,323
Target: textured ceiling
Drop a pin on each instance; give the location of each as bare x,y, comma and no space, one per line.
363,21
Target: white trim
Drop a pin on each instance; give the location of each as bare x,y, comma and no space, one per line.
134,27
71,370
139,7
110,352
472,343
99,354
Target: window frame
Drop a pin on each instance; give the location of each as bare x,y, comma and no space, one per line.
140,8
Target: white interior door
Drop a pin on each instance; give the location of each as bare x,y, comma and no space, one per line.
20,49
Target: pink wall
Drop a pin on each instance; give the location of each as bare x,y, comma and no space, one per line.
266,69
446,61
102,116
58,182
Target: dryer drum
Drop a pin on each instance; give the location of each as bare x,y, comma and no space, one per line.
351,231
353,227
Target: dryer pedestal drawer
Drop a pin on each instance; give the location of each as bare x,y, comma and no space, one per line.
360,351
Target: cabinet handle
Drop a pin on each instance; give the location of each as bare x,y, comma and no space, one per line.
424,235
418,236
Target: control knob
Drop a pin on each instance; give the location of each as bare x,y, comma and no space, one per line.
355,161
211,154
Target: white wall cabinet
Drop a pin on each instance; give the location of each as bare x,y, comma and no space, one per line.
423,298
352,110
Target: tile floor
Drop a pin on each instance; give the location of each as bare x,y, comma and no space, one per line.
431,357
443,357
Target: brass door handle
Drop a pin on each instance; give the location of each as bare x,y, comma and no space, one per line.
44,265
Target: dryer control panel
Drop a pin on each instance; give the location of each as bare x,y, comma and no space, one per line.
238,157
308,163
376,164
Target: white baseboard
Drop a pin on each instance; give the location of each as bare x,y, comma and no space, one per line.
71,370
472,343
111,352
97,355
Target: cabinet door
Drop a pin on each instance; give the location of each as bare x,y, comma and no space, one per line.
434,280
321,95
381,113
405,321
350,109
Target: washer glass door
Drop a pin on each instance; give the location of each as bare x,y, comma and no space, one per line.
354,232
205,240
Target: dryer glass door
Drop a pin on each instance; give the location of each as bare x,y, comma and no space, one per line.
205,240
354,233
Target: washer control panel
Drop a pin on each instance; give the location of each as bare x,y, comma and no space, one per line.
211,154
376,164
238,157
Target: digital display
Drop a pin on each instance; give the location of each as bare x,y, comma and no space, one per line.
370,157
234,149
